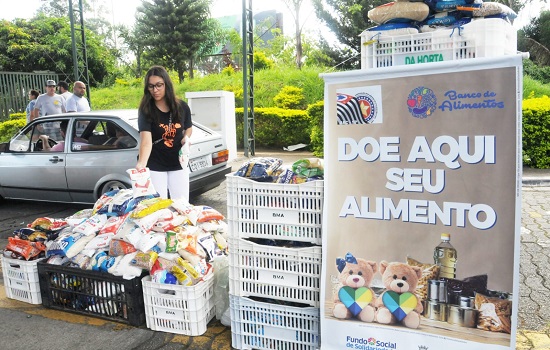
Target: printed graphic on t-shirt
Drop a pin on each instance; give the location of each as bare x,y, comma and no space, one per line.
169,133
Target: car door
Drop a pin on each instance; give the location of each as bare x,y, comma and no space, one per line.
27,172
98,158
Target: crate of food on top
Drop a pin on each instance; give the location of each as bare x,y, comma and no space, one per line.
19,264
266,199
437,30
96,260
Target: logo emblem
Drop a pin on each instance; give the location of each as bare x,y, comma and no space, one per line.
360,108
421,102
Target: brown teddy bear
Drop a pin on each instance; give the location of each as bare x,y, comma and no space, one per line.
355,298
399,302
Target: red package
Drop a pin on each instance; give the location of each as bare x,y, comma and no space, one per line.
118,247
26,249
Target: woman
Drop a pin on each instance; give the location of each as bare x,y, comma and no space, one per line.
33,95
164,126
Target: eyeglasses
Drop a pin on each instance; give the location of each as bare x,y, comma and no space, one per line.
152,87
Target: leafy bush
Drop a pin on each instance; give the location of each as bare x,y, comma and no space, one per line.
18,116
316,113
290,97
541,74
229,70
261,61
10,127
536,132
276,127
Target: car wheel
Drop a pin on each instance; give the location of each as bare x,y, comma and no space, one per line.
113,185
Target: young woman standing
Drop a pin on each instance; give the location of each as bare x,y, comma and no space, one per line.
164,126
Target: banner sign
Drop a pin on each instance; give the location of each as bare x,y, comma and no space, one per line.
422,206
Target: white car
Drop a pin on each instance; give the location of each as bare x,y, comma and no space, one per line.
98,149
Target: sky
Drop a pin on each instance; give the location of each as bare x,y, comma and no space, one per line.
122,11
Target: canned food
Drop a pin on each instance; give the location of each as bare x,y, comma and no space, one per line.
467,302
463,316
437,290
436,311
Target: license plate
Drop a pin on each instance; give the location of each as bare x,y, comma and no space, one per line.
200,163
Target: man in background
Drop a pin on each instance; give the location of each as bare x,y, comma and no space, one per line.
64,90
33,95
77,102
48,103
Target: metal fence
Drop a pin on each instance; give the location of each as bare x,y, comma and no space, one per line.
15,87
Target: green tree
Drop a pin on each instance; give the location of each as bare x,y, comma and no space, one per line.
174,31
44,43
535,38
294,7
347,19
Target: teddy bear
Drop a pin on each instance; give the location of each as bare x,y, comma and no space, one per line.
399,303
355,298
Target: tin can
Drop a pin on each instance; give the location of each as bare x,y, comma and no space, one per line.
463,316
467,302
436,311
437,290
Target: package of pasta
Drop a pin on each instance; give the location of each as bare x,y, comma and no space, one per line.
47,224
149,206
399,12
118,247
494,313
141,182
207,213
144,260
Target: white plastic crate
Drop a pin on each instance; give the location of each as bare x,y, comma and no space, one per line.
274,211
289,274
488,37
261,325
178,309
21,280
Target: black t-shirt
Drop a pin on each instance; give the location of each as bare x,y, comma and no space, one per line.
166,135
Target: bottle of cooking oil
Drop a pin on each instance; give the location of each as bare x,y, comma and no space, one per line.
445,256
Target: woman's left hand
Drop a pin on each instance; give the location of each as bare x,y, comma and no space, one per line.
184,140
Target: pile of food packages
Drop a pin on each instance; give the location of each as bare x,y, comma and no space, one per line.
269,169
411,17
123,235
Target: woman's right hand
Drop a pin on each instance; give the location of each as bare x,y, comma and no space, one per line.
140,165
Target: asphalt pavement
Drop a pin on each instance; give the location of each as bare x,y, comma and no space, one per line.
26,326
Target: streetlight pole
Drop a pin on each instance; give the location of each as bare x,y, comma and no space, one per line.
248,78
80,57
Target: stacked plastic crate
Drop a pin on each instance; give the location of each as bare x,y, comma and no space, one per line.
21,280
274,263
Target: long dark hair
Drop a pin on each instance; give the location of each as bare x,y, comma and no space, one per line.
147,104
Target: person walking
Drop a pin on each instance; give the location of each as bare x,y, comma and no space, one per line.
77,102
64,90
48,103
33,95
165,125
